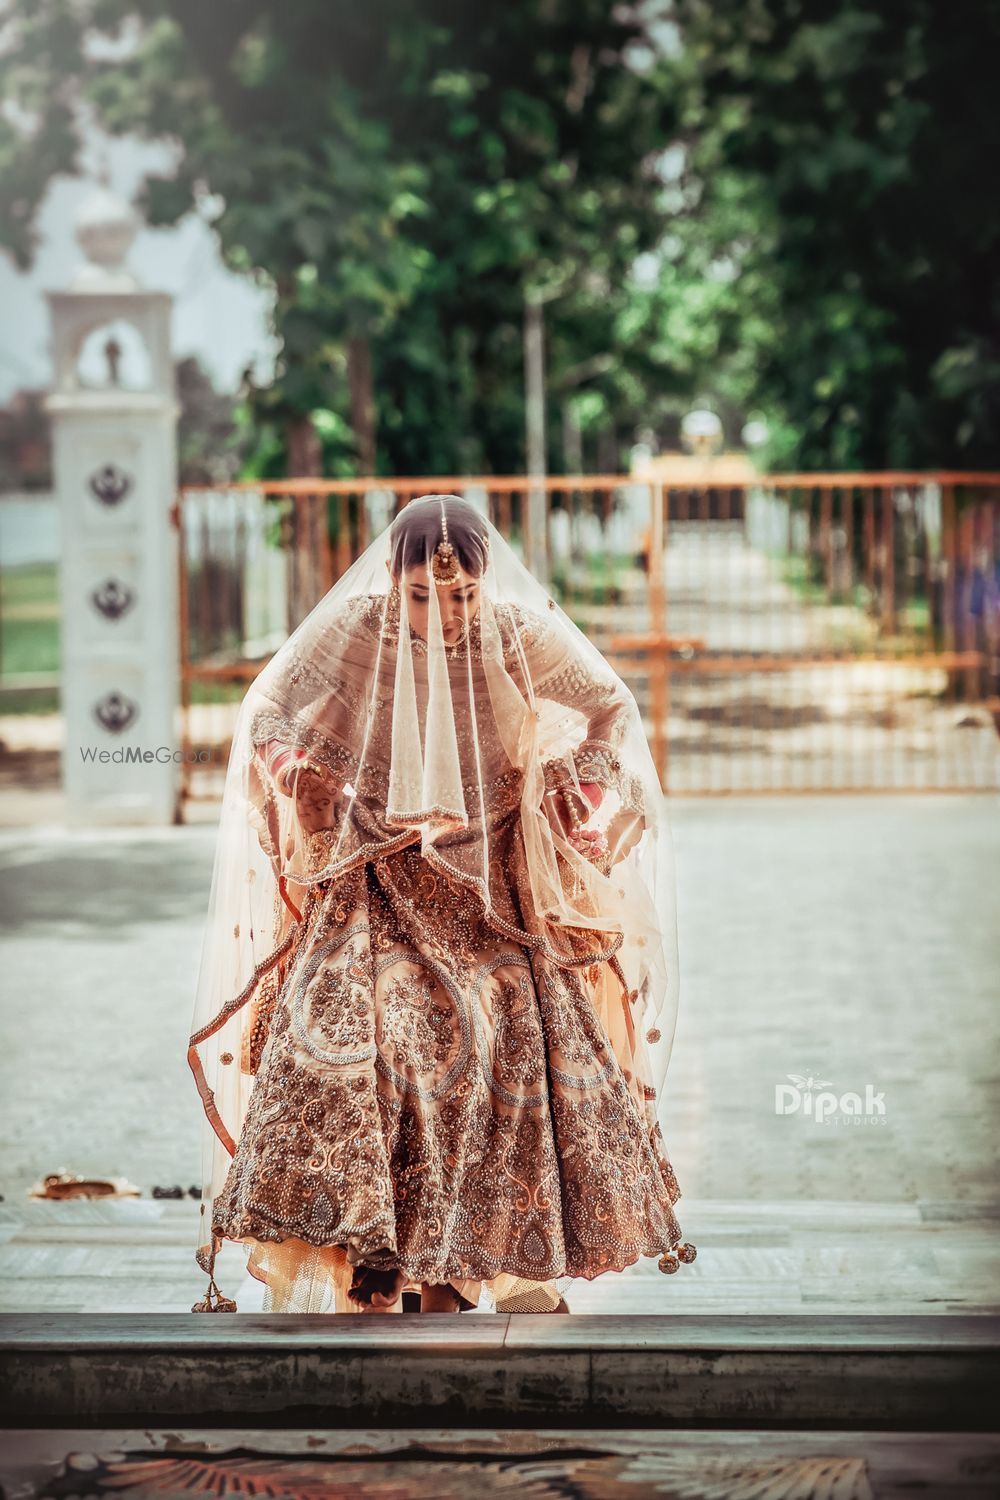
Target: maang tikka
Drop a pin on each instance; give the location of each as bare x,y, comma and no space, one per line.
444,562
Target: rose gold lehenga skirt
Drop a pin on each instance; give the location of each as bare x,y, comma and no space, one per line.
435,1096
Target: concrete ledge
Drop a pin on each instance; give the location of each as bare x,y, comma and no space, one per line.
887,1374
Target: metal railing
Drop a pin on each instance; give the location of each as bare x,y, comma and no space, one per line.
835,632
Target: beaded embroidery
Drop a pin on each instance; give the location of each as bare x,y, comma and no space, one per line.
432,1084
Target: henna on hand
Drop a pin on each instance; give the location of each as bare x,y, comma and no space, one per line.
317,800
590,842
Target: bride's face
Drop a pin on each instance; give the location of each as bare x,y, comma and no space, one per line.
458,602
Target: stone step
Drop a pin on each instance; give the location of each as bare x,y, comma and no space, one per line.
783,1373
754,1257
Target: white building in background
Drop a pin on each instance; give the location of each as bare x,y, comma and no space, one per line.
114,418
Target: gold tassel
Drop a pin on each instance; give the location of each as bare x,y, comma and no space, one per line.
670,1261
221,1303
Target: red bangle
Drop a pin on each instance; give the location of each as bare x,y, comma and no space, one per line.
282,760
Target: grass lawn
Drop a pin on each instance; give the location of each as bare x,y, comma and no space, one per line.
29,619
913,615
592,580
29,634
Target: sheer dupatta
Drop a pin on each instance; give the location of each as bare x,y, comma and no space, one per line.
361,737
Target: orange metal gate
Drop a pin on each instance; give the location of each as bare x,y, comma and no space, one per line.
790,633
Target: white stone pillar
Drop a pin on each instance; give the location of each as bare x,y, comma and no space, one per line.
114,419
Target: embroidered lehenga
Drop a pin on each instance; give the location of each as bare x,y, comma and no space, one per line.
430,1034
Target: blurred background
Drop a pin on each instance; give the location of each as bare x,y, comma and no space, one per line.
744,252
698,301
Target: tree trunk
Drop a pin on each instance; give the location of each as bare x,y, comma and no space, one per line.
572,439
607,450
362,389
534,539
308,542
305,451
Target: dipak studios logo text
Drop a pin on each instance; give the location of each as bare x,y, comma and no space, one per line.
812,1097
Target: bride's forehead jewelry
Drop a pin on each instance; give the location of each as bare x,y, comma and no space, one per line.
444,563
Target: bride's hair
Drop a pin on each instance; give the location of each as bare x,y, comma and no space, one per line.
416,531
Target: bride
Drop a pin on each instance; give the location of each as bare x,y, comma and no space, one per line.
438,987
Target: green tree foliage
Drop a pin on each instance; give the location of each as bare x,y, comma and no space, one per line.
397,175
210,442
804,185
841,164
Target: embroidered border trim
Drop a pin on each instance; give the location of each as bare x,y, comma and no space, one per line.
271,724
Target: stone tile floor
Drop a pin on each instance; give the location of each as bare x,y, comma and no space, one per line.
852,939
753,1257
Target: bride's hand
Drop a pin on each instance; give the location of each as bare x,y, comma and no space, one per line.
590,842
317,800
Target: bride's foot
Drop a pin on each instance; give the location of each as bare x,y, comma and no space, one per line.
378,1291
439,1298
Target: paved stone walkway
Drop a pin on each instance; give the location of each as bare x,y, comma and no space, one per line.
802,1257
853,724
851,939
